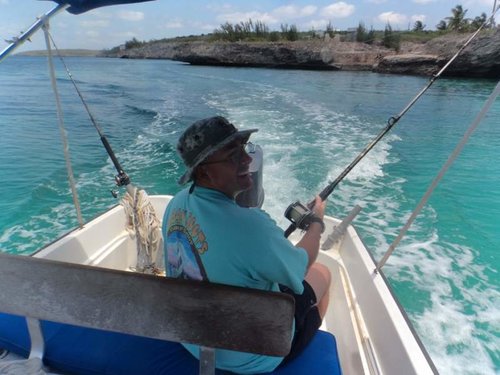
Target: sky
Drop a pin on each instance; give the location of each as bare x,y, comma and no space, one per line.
108,27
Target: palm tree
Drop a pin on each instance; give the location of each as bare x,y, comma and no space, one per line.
418,26
457,21
478,21
441,25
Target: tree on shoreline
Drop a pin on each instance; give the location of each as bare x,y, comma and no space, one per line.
363,36
391,39
134,43
418,26
258,31
457,21
329,29
290,33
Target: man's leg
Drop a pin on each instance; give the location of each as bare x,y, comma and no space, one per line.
319,278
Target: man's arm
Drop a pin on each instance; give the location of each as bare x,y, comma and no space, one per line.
310,240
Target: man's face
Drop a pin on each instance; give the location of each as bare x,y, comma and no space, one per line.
226,170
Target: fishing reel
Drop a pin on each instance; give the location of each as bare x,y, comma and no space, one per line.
302,217
122,179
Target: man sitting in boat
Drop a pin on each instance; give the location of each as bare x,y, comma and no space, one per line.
209,237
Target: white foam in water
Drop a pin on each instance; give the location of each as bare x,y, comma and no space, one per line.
452,333
451,324
33,234
278,180
307,143
448,324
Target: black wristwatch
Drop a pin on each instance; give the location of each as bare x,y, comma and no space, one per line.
316,219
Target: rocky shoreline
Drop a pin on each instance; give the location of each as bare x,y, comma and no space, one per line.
480,59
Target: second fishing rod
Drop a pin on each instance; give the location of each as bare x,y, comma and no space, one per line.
300,215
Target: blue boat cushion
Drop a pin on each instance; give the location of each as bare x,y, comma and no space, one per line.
79,350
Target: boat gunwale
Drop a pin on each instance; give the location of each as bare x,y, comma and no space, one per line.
386,283
160,202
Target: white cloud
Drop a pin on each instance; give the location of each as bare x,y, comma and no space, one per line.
338,10
131,16
94,23
238,17
98,13
217,8
174,24
125,35
423,2
65,25
92,34
286,11
418,17
472,3
317,24
309,10
208,27
292,11
393,18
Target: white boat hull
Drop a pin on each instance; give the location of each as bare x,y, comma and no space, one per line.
373,334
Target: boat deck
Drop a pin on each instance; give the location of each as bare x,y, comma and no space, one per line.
373,334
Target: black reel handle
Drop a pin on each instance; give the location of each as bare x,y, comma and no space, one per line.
301,216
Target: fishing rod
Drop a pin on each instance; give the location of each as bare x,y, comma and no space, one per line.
301,215
121,179
139,211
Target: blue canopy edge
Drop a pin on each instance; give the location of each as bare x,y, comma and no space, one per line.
82,6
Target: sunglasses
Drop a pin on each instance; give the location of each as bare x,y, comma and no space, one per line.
235,156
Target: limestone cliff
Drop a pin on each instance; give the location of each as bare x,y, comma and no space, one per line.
480,59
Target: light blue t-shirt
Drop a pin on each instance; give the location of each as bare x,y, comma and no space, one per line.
209,237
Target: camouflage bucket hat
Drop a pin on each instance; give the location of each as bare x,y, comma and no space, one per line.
203,138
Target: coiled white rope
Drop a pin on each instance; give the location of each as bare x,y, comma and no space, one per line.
143,224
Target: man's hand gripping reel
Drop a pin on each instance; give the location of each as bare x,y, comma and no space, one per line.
301,217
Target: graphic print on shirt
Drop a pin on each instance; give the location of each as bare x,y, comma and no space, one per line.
184,243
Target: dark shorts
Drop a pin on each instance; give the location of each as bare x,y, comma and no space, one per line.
307,319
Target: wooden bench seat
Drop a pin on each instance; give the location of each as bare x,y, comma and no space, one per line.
105,321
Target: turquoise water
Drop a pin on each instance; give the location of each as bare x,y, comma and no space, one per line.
312,124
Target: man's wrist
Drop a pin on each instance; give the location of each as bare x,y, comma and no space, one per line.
316,219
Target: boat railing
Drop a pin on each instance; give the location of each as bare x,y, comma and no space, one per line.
339,230
206,314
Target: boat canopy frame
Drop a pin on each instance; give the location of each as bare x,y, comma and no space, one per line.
72,6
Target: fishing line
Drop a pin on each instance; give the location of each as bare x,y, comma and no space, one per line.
142,221
437,179
62,130
122,179
325,193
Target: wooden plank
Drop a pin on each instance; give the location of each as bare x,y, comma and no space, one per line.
211,315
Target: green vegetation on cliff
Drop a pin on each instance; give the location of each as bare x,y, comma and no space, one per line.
258,31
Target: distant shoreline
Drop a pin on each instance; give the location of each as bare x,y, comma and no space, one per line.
481,59
64,52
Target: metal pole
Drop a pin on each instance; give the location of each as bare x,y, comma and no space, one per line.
17,41
493,23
